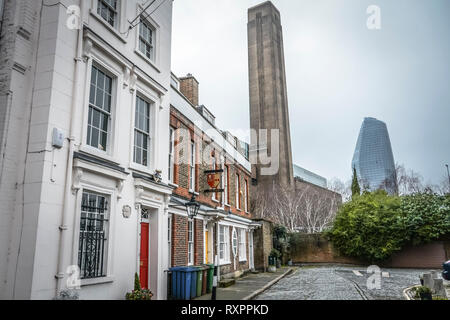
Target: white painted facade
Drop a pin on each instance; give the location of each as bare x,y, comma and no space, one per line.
45,79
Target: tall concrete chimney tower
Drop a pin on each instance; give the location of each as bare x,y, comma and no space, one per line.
268,93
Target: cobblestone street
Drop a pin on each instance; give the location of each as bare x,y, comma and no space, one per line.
341,283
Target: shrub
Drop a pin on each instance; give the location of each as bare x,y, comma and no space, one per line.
138,293
375,225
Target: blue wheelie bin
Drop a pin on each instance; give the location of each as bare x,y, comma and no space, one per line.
181,283
193,273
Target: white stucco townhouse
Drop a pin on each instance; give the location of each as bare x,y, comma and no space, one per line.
84,144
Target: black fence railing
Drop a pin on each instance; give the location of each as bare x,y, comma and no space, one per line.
92,242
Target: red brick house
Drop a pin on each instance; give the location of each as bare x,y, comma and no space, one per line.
223,226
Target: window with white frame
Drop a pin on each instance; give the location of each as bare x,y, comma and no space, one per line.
169,238
146,40
213,167
225,184
99,114
242,245
171,154
235,242
93,238
108,10
190,242
238,192
224,244
142,132
246,195
192,168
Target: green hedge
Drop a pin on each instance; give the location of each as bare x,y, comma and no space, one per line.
375,225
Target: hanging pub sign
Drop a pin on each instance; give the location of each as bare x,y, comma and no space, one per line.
214,179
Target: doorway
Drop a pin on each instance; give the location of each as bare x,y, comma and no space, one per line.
144,252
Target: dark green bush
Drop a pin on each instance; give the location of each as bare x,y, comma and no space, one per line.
375,225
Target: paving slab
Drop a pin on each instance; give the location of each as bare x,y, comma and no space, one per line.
247,286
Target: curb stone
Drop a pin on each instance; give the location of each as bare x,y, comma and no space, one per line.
267,286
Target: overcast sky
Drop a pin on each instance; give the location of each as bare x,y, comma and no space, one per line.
338,72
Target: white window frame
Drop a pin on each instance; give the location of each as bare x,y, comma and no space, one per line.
154,63
242,245
224,244
171,174
118,11
112,145
192,177
150,129
191,242
149,26
235,243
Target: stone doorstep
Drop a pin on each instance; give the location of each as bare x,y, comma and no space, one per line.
225,283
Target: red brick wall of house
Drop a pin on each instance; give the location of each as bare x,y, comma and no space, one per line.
179,241
198,241
181,171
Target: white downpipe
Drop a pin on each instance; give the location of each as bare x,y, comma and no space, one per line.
67,188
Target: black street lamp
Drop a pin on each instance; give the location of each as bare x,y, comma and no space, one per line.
192,207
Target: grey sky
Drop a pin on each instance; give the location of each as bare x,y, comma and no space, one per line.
338,72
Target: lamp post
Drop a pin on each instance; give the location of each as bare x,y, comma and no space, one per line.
192,208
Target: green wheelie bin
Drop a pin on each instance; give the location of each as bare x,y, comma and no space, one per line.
210,278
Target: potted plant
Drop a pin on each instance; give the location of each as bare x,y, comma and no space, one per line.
138,293
424,293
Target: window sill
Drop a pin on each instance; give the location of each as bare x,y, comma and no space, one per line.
215,200
242,261
173,185
139,168
149,61
224,263
107,25
91,282
98,153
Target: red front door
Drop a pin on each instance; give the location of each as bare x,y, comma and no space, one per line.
144,256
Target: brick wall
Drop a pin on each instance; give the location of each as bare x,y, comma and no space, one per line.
262,245
198,242
316,249
181,171
179,241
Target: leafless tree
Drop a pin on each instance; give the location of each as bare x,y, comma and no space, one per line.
344,189
307,209
408,181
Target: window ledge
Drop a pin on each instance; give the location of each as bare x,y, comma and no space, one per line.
139,168
215,200
224,263
91,282
107,25
98,153
173,185
149,61
245,260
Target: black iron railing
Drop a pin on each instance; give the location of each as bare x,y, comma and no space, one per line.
93,238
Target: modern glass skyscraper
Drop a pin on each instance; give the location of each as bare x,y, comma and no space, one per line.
373,158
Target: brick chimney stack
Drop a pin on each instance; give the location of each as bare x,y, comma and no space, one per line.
189,88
